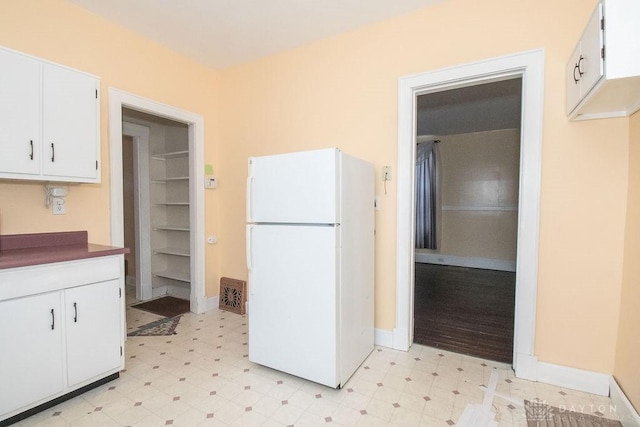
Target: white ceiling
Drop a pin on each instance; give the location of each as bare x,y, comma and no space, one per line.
221,33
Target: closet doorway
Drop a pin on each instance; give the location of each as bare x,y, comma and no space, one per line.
467,174
166,155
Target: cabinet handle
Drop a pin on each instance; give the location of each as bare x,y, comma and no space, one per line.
579,68
75,312
53,153
31,155
53,320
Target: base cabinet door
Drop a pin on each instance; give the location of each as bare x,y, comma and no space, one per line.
33,369
93,330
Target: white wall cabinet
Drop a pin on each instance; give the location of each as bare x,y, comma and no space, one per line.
49,121
603,72
61,328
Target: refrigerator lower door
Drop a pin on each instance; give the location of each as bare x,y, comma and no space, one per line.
293,299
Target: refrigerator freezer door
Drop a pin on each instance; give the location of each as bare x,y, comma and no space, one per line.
296,188
292,300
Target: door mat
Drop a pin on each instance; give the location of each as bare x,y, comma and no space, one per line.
158,328
539,414
166,306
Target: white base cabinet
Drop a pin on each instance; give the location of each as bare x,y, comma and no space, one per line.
61,328
31,359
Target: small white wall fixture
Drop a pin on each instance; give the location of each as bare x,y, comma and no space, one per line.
119,99
530,67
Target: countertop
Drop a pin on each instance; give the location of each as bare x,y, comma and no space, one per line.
22,250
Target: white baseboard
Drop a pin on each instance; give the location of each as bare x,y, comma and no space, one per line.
212,303
526,366
625,411
174,291
576,379
383,338
460,261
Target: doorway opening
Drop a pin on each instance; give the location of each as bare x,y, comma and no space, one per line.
466,218
166,151
529,66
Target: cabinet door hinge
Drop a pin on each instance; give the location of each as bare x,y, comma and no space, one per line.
120,350
602,52
602,24
120,292
96,165
96,93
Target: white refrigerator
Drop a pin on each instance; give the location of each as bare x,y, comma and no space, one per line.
310,256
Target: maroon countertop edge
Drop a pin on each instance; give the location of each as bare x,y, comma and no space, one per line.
22,250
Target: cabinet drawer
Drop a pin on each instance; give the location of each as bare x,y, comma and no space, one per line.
17,282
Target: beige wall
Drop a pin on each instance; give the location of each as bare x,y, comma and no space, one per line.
58,31
627,368
479,170
342,91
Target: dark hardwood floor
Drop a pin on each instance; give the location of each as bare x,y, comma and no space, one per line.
465,310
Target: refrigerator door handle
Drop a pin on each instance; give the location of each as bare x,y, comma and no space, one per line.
249,189
249,231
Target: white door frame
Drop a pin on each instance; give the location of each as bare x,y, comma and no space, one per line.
142,208
529,66
119,99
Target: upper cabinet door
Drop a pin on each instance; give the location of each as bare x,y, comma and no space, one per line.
591,63
573,79
70,123
19,114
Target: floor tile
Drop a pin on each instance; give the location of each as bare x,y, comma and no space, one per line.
201,376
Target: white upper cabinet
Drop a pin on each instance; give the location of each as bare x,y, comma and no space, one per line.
19,114
603,72
49,121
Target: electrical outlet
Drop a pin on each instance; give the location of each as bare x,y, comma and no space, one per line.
58,207
386,173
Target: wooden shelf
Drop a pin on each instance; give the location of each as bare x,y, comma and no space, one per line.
171,228
171,204
173,179
174,275
171,155
172,251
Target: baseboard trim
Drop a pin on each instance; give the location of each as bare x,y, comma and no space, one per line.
460,261
576,379
526,366
212,303
627,414
383,338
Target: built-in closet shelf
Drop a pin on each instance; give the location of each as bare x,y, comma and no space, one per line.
172,251
481,208
174,275
171,204
172,179
170,228
171,155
